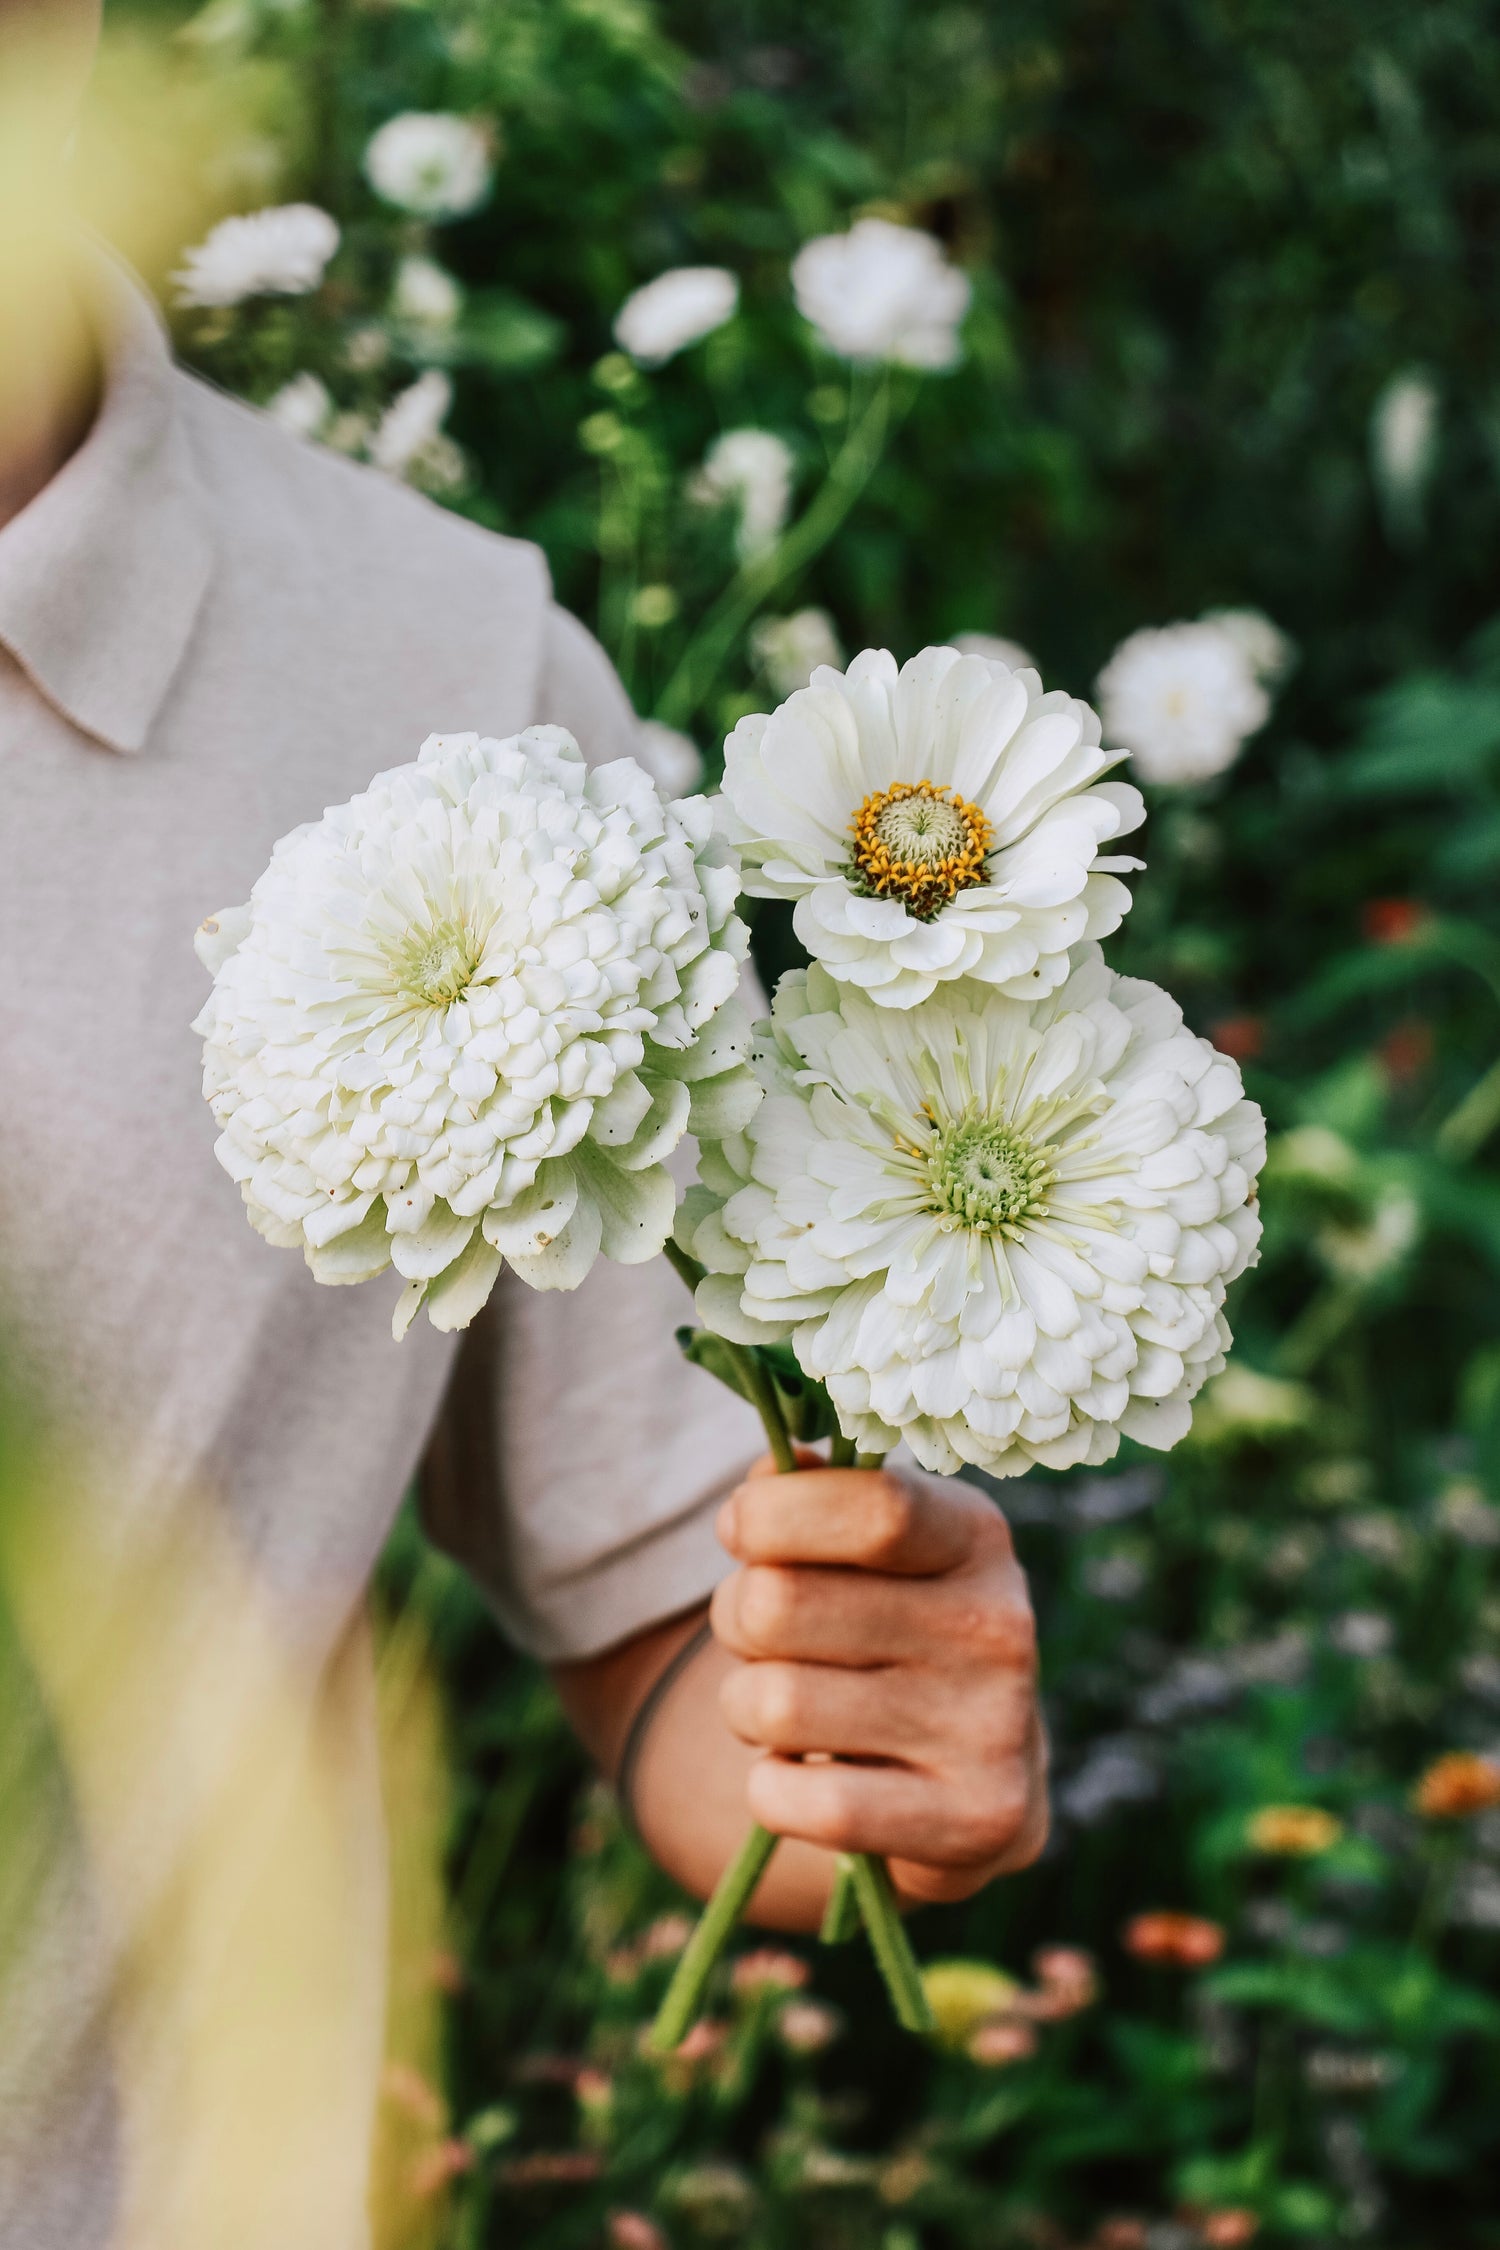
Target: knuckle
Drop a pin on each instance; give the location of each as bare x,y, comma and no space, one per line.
778,1700
990,1824
890,1514
1032,1841
767,1605
997,1630
840,1819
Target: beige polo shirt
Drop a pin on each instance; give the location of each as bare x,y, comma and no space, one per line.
209,631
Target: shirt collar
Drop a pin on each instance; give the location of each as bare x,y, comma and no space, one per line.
103,573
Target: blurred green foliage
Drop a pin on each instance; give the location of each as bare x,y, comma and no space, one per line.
1205,239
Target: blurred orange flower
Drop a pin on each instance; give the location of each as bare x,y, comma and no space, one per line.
769,1969
1000,2042
1177,1941
1392,921
1243,1037
415,2096
1457,1785
436,2166
1406,1051
1293,1831
1120,2234
1228,2229
632,2230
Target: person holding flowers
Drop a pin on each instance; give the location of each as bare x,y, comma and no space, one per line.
207,631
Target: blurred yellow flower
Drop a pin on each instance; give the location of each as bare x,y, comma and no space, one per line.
1293,1831
964,1994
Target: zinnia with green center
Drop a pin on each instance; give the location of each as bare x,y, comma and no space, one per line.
1000,1230
464,1020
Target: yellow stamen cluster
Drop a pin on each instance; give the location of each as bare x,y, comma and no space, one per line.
919,843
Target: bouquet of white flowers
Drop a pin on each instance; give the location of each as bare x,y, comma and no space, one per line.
967,1189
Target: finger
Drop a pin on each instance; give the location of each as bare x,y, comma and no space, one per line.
866,1519
802,1708
859,1618
808,1457
894,1811
928,1885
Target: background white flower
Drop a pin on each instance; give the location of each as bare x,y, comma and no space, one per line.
678,308
673,760
883,292
752,468
1002,1231
1403,447
279,252
1366,1250
303,407
467,1016
431,163
790,649
424,294
1266,649
940,821
1182,699
996,649
411,422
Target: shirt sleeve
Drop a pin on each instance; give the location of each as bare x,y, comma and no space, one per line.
612,1450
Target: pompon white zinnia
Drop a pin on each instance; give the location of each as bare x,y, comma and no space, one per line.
465,1018
945,820
1002,1231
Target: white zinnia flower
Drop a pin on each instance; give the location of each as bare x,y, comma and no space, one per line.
997,649
279,252
1182,699
303,407
678,308
883,292
1266,649
1403,433
938,822
673,760
425,295
1001,1231
753,468
790,649
411,422
431,163
1366,1251
466,1017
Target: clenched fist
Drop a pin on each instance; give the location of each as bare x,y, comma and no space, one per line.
886,1670
871,1686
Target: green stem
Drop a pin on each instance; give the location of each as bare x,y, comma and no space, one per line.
755,1381
1465,1130
850,471
841,1915
1318,1327
841,1453
684,1996
890,1943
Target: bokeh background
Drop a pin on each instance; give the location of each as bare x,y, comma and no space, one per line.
1233,341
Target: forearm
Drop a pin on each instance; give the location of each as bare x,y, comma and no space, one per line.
687,1784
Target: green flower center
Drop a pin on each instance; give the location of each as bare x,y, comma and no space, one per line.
922,829
438,965
986,1175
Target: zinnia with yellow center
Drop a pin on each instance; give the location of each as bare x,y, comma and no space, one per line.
943,820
